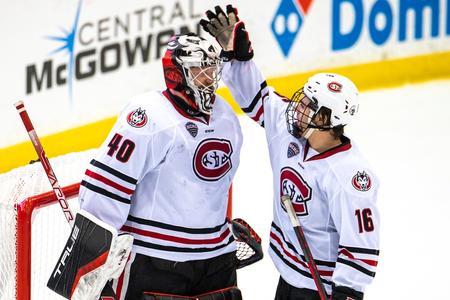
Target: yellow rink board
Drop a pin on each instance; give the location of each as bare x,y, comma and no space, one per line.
376,75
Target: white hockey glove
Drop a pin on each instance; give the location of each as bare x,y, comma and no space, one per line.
229,32
93,255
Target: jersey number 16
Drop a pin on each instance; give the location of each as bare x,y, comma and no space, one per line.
365,222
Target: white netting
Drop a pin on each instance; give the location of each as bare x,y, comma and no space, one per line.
49,226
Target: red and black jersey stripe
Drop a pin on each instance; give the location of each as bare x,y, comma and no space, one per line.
114,172
109,182
297,261
360,259
256,108
255,100
173,238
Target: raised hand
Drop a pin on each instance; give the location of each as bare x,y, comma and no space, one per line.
229,32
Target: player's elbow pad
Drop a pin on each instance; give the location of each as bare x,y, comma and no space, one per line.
94,254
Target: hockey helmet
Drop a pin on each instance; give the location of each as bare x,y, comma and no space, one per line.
335,92
192,68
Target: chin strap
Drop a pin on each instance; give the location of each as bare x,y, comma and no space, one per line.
308,132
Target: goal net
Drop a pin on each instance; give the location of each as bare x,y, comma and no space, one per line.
33,228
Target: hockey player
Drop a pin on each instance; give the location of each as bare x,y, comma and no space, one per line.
331,185
162,177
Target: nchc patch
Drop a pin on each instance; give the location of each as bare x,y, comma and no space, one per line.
361,181
293,150
137,118
191,128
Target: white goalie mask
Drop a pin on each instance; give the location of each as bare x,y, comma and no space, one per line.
198,63
335,92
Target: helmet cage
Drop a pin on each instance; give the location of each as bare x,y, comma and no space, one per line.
203,82
300,114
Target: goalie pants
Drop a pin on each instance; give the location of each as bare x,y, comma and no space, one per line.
150,274
285,291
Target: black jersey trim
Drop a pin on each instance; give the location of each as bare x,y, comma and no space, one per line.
294,267
355,266
114,172
104,192
175,227
361,250
330,264
255,100
141,243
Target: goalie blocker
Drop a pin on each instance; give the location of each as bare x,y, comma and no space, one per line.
94,254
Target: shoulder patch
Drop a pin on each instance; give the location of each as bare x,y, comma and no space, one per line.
362,181
293,150
137,118
191,128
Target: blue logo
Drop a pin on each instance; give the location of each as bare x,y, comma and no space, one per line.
104,45
287,22
67,42
408,15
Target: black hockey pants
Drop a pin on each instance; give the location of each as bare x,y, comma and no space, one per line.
180,278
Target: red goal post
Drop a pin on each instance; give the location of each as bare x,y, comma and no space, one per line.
25,211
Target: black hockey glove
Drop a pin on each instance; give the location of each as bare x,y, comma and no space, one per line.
229,32
345,293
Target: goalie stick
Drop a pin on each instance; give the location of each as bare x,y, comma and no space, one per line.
20,106
45,163
286,200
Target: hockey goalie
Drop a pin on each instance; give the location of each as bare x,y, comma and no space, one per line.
154,199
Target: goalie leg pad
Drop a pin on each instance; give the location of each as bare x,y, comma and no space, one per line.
94,254
231,293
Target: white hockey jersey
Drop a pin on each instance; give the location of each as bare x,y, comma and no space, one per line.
164,177
333,194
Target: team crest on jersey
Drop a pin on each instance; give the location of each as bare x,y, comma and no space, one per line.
191,128
293,150
293,185
137,118
212,159
335,87
361,181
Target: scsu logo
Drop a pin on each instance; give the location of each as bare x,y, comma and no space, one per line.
212,159
293,185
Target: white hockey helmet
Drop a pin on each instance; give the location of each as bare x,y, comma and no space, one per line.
332,91
336,92
184,54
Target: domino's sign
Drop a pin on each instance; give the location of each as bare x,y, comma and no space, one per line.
383,20
287,22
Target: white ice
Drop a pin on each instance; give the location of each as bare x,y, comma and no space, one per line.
404,133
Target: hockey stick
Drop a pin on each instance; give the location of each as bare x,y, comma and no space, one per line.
286,200
45,163
48,169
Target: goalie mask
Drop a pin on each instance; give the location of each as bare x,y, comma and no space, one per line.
335,92
192,69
